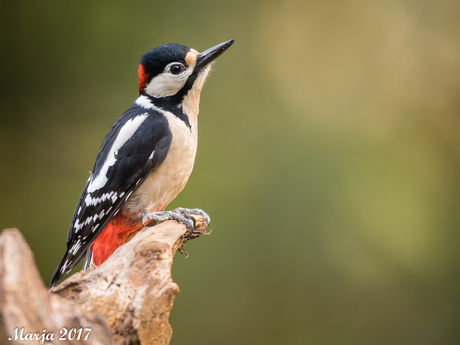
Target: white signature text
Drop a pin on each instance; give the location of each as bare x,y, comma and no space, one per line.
70,334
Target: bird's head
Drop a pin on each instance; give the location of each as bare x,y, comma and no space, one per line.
175,73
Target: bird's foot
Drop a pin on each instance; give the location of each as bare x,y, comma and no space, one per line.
193,212
180,214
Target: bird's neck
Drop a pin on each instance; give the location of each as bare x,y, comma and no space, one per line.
190,106
190,103
186,111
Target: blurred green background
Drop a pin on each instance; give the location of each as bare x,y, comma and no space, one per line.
329,157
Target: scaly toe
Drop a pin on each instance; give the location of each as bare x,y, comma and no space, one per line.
171,215
194,211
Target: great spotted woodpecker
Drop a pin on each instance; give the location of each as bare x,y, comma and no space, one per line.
146,158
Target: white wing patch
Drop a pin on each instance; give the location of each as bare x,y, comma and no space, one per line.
125,133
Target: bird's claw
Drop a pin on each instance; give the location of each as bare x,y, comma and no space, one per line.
180,214
193,211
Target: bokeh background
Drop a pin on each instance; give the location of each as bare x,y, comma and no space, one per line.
329,157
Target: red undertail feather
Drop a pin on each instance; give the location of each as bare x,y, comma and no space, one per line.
115,234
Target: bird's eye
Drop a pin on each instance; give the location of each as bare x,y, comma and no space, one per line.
176,69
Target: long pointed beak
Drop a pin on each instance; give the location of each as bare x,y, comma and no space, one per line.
205,58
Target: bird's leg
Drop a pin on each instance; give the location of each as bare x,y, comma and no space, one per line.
180,214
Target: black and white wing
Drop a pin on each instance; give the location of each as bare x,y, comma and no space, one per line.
137,143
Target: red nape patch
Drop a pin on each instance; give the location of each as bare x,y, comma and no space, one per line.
143,77
113,236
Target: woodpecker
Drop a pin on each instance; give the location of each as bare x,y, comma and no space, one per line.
145,159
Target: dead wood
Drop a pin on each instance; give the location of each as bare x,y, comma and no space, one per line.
129,296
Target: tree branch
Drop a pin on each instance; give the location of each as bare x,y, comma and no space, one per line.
129,295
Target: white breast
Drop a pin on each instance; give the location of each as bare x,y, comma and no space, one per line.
167,181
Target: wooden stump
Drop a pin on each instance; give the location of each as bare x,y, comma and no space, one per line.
128,296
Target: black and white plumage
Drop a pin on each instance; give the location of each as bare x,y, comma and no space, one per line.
148,154
137,142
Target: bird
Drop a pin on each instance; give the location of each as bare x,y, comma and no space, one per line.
145,159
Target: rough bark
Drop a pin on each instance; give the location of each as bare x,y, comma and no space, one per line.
129,296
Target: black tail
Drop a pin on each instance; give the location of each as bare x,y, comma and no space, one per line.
57,273
65,266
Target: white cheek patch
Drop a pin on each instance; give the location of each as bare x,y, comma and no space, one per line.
167,84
